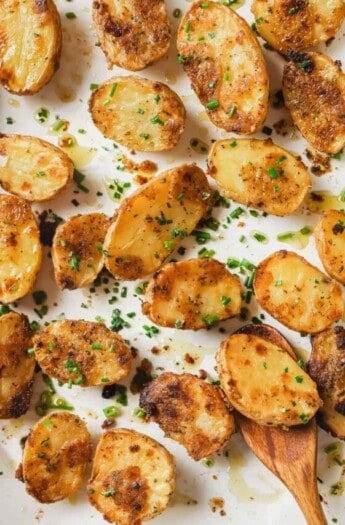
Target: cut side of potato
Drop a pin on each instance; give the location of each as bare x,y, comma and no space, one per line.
264,383
189,411
330,243
77,250
20,248
297,25
132,33
192,294
31,44
326,367
133,477
32,168
259,174
225,64
314,92
82,353
140,114
150,223
17,367
56,453
297,293
269,334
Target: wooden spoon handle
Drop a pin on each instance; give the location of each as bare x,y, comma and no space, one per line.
310,505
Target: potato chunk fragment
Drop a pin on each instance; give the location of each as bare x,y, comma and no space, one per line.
330,243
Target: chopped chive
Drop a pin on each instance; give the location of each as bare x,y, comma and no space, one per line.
113,89
70,15
285,236
232,111
157,120
212,104
97,346
111,411
273,173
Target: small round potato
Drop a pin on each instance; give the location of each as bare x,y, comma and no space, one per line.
330,243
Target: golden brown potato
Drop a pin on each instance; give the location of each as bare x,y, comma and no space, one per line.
326,367
314,92
296,293
192,294
133,477
259,174
17,367
82,353
297,24
150,223
140,114
56,453
224,62
264,383
20,248
132,33
190,411
269,334
330,243
77,250
34,169
30,44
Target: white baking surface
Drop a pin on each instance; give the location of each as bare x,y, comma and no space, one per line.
251,494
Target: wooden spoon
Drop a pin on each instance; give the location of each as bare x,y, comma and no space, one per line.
290,455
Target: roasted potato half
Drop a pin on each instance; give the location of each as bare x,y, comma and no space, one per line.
259,174
224,62
192,294
314,92
133,477
297,293
20,248
17,367
296,24
56,453
132,34
330,243
31,44
140,114
189,411
77,250
33,168
83,353
278,392
326,367
150,223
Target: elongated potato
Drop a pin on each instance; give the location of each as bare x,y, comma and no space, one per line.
138,113
20,248
297,24
30,44
82,353
259,174
56,453
33,168
190,411
77,250
192,294
150,223
263,382
314,92
17,367
330,243
224,62
133,477
132,33
296,293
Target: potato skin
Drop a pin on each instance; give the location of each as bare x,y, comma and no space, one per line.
132,479
140,114
259,174
77,250
189,411
315,97
227,67
55,456
187,294
132,33
330,243
82,352
159,215
296,293
17,367
28,58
